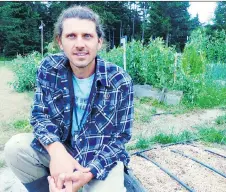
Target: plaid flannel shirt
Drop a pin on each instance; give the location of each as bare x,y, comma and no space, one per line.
101,141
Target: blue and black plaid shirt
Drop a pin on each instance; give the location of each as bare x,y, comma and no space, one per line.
101,140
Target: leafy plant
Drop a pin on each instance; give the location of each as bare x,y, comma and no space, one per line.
213,135
25,71
220,120
22,125
142,143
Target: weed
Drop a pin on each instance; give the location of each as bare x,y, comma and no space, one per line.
22,125
172,138
162,138
212,135
142,143
221,120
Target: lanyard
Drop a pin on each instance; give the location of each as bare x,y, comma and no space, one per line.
79,124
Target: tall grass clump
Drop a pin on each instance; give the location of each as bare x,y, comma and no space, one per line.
25,71
212,135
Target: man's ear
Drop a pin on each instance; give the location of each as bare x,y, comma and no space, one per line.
100,43
59,42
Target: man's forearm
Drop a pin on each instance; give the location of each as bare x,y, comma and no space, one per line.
55,148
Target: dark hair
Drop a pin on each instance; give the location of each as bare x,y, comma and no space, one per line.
81,13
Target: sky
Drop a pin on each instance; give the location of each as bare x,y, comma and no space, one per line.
205,10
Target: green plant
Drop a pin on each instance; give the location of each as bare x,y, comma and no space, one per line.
220,120
142,143
22,125
193,62
172,138
52,48
25,70
212,135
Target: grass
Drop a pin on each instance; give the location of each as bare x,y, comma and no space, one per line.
221,120
206,134
212,135
22,125
152,105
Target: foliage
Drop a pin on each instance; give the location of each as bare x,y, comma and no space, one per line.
193,62
220,15
169,20
25,70
207,134
142,143
198,75
209,46
151,64
159,64
22,125
19,28
215,50
172,138
52,48
20,21
212,135
220,120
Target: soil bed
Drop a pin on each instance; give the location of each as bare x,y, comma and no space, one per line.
191,173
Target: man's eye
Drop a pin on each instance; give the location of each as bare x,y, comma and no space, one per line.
71,36
87,36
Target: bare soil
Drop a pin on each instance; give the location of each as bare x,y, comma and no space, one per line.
177,123
194,175
13,105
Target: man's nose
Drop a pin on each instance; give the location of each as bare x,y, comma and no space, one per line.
79,43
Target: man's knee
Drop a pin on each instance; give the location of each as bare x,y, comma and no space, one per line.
16,147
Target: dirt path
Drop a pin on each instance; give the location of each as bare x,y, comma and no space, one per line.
12,104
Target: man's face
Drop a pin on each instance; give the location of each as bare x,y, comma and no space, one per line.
80,42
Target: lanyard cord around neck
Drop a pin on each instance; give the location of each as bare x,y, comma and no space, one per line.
79,124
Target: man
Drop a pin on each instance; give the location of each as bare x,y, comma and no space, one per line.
82,115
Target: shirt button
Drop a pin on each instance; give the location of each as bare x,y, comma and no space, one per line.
80,139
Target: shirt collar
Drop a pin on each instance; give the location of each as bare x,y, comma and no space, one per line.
101,71
101,67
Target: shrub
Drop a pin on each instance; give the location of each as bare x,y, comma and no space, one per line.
193,62
152,64
25,70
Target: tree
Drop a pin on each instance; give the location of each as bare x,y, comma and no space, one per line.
195,23
19,28
220,15
169,20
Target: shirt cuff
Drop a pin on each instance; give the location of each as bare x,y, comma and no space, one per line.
98,171
47,139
